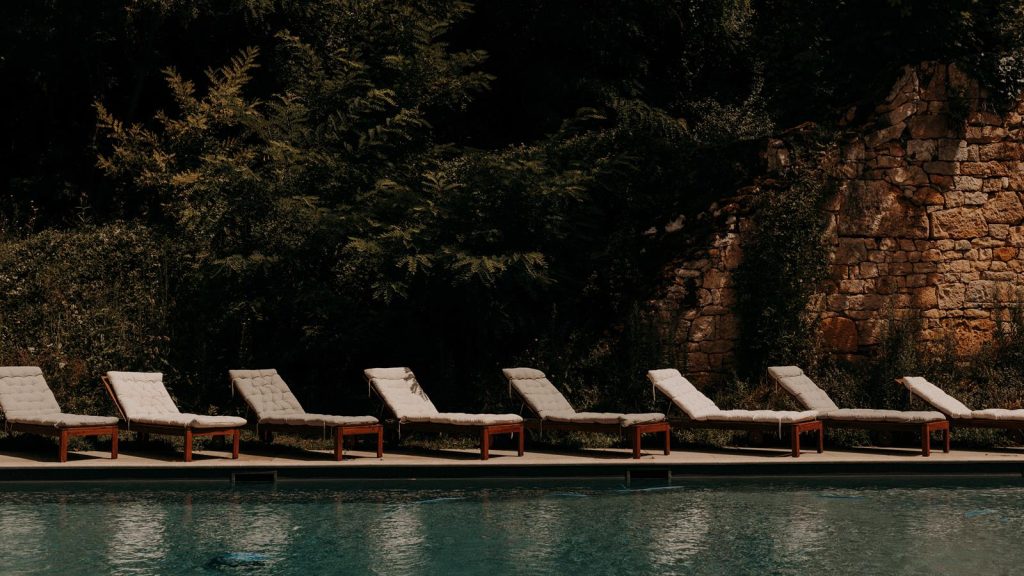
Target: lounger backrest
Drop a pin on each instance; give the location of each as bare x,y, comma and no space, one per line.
400,391
141,394
265,392
24,393
802,388
934,395
683,393
538,392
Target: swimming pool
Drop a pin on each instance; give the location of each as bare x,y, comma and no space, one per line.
726,527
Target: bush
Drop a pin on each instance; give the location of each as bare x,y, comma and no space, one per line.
82,302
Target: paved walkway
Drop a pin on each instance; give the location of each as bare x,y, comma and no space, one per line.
297,464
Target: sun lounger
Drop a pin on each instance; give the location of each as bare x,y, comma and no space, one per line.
807,393
147,408
701,412
29,406
958,414
278,410
555,413
414,411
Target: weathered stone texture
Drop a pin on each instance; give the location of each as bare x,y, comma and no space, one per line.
927,225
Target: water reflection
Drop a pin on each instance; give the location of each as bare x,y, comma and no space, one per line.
259,530
680,534
22,536
138,537
395,540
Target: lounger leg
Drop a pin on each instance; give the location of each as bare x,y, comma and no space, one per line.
485,444
668,441
945,439
339,441
522,440
236,436
794,434
63,455
113,445
636,443
188,445
821,438
926,440
380,442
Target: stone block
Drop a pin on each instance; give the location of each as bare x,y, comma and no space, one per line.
929,126
1015,236
984,134
839,334
984,169
967,183
923,150
950,296
1004,253
1004,208
908,175
958,223
925,297
1000,151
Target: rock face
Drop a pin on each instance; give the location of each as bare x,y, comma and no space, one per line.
927,225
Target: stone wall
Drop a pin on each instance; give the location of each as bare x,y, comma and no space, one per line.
927,226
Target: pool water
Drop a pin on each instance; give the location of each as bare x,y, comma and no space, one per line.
734,527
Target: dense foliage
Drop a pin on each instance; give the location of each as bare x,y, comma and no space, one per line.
190,186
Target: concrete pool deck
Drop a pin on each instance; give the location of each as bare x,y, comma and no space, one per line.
212,465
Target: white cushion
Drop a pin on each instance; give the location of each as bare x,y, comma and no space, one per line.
325,420
523,373
936,397
401,392
142,394
802,388
265,392
683,394
388,373
64,420
998,414
766,416
186,420
627,420
870,415
585,417
24,393
538,392
461,419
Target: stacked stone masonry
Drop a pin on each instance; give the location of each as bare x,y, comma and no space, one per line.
927,225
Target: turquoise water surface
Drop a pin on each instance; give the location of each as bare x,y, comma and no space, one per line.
735,527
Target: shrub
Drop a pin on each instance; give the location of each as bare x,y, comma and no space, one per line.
82,302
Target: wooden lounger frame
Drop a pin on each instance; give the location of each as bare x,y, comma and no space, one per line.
65,433
924,428
635,431
266,432
973,422
795,429
486,432
144,430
